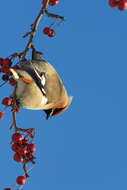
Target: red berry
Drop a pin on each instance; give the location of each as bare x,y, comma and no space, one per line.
7,101
7,189
114,3
46,30
21,180
5,70
17,157
51,33
12,81
31,147
29,155
1,115
17,138
25,140
6,62
1,61
23,150
5,77
15,147
53,2
122,5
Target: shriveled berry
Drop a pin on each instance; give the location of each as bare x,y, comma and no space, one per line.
31,147
17,109
17,157
1,115
1,61
7,101
17,138
12,81
6,62
6,70
21,180
5,77
29,155
53,2
25,140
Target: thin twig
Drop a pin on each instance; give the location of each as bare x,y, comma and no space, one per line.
54,15
14,125
14,120
25,170
3,83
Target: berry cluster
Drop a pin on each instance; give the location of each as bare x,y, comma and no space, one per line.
5,65
6,76
24,150
120,4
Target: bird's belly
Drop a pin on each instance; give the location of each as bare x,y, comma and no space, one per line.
34,101
33,105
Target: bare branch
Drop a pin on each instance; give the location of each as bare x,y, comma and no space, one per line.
34,28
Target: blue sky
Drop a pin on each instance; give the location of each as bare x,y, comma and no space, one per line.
86,147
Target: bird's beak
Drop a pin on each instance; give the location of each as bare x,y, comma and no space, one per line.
16,77
14,73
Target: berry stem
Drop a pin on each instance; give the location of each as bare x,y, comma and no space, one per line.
25,169
3,83
54,15
14,125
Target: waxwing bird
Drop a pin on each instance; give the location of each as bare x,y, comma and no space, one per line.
39,87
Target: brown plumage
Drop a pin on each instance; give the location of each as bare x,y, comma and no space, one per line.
39,87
